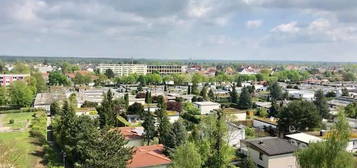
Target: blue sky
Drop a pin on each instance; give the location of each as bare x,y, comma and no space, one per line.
304,30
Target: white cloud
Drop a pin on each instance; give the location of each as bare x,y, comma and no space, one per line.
253,24
290,27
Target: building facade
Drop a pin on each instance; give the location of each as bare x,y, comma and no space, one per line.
166,69
124,69
7,79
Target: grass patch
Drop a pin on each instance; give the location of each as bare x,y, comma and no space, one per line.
23,148
20,119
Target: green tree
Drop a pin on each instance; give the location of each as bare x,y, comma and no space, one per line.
351,110
345,92
234,95
349,76
55,108
211,95
180,132
204,93
57,78
276,92
164,127
108,150
136,109
3,96
330,153
245,99
194,88
148,98
298,115
20,94
187,156
21,68
73,100
106,111
41,85
321,104
109,73
149,127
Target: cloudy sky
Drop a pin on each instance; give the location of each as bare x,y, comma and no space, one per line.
307,30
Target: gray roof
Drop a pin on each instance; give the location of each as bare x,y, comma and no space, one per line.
271,145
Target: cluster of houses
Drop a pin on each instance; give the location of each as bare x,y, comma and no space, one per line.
265,151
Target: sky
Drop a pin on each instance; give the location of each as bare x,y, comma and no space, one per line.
303,30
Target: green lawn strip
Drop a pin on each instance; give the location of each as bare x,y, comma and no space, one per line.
23,148
20,119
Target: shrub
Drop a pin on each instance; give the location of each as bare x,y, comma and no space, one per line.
11,121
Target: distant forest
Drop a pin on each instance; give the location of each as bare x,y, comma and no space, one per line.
91,60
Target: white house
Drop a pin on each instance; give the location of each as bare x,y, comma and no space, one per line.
236,133
301,94
270,152
207,107
302,140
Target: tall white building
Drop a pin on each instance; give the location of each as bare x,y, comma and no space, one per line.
124,69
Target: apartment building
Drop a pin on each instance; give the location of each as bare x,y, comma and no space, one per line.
124,69
166,69
7,79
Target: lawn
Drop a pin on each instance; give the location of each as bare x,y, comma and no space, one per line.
20,119
22,144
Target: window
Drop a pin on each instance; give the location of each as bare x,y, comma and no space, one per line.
260,156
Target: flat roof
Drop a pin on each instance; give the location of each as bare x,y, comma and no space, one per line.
306,138
206,103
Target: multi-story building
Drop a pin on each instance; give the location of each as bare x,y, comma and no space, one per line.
7,79
124,69
166,69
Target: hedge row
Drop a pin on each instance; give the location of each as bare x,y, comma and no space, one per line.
22,110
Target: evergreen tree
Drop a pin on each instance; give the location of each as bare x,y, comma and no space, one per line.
204,93
245,100
194,89
126,98
106,111
234,95
55,108
345,92
148,98
149,127
211,95
298,115
180,132
274,109
109,150
321,104
275,91
164,127
189,89
109,73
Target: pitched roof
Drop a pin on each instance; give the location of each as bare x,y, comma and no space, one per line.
145,156
271,145
131,132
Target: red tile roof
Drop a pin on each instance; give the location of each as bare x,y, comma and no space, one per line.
145,156
131,132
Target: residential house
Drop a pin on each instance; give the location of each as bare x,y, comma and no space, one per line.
134,135
207,107
149,157
302,140
270,152
236,133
